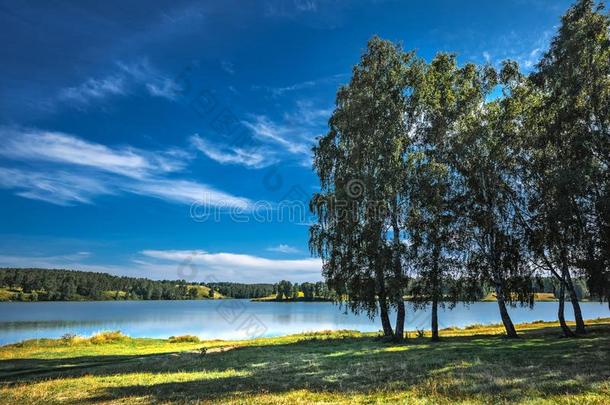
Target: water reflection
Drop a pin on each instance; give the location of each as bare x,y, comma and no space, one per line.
234,319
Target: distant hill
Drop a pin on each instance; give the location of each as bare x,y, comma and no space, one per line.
71,285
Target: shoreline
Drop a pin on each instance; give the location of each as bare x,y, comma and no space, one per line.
469,330
285,301
325,367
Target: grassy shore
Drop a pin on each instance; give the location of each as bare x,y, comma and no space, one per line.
273,298
472,365
491,297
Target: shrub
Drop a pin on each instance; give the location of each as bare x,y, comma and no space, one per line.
107,337
71,339
482,326
184,339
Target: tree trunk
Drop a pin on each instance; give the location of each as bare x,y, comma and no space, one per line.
434,325
511,332
580,324
385,318
382,297
400,322
567,332
400,303
383,304
435,293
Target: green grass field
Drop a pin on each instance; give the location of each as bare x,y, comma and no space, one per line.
301,298
473,365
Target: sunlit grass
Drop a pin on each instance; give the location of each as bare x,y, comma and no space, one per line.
469,366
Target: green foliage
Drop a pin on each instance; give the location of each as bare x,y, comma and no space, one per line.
571,147
284,289
108,337
240,290
445,98
69,285
51,285
360,164
183,339
487,191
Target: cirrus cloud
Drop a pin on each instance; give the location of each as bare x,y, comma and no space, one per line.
235,266
64,169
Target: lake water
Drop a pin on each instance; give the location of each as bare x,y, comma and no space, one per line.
235,319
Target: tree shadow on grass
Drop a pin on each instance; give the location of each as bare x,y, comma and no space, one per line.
25,370
457,368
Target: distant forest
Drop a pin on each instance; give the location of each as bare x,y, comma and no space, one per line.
72,285
240,290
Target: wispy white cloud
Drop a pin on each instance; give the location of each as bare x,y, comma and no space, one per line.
531,59
306,5
296,132
197,265
307,114
51,158
238,267
126,79
267,130
187,192
283,248
277,91
290,137
44,261
38,145
165,88
155,82
84,262
274,8
227,67
225,154
56,187
92,89
513,46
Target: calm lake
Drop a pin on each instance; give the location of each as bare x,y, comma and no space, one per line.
234,319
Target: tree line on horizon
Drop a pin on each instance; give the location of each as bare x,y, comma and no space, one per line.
438,178
286,290
69,285
34,284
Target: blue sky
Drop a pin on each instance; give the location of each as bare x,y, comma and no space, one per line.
161,139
